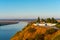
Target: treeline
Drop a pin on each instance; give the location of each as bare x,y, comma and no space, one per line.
47,20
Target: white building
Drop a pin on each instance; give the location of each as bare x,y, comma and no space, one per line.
44,24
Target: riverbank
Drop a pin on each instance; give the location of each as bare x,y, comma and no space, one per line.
5,22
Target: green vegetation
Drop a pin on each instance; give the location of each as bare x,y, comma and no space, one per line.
58,25
38,20
51,31
48,20
42,20
57,37
31,30
53,20
39,37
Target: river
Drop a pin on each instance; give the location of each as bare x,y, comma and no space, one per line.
7,31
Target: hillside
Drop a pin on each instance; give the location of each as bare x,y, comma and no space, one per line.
39,30
31,32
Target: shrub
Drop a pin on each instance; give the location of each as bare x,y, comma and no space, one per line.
58,25
39,37
30,39
51,31
57,38
32,29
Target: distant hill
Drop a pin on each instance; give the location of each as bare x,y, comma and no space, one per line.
22,19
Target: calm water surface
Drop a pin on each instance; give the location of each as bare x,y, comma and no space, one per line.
7,31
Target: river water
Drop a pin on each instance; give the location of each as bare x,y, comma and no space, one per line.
7,31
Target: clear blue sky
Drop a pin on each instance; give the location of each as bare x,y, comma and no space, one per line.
29,8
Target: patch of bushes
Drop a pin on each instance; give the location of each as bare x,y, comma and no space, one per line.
39,37
57,37
31,29
51,31
30,39
58,25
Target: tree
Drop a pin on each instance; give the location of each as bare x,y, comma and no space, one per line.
42,20
48,20
53,20
38,20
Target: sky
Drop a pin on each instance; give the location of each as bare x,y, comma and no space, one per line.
29,8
